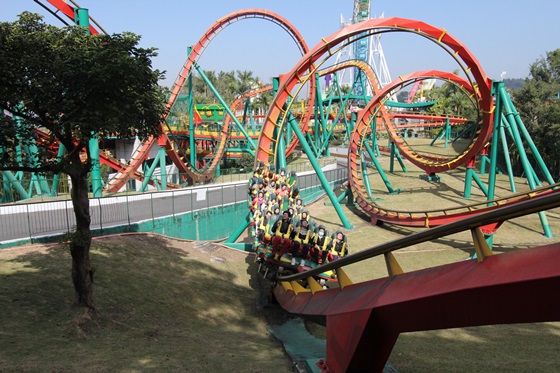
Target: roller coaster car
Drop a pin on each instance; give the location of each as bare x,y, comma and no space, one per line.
270,267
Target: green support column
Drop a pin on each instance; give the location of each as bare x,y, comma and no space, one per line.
280,160
507,158
346,194
250,141
392,157
494,148
56,177
320,175
37,181
365,176
149,172
508,105
469,174
81,17
15,183
503,100
483,161
380,170
162,169
96,182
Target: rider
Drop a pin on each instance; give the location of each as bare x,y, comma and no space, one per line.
339,246
301,236
264,232
320,245
281,229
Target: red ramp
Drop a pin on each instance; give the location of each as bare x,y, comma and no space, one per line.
365,319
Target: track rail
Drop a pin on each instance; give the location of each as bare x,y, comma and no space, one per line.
430,163
367,318
196,52
309,63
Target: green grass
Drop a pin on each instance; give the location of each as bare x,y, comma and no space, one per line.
495,348
167,306
161,309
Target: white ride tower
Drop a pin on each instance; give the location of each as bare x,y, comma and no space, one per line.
366,49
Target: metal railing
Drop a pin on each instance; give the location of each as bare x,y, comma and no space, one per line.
29,221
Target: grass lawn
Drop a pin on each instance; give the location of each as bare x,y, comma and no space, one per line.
166,305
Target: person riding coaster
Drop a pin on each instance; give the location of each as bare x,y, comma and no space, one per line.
338,246
301,237
320,245
281,240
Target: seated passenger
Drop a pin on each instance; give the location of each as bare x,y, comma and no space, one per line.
301,236
281,240
281,177
292,180
276,213
338,246
283,192
304,215
264,228
320,245
258,201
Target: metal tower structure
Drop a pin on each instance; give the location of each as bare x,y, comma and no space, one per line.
368,50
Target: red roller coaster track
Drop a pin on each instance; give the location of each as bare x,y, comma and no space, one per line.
193,57
476,82
141,154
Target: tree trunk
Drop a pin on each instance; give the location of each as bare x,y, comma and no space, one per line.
82,275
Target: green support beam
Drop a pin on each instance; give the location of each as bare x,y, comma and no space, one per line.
226,108
377,165
324,182
81,17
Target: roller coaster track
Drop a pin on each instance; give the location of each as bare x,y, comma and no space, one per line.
428,116
430,163
365,319
196,52
142,153
68,11
268,141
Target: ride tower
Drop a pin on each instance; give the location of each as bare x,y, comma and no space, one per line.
366,49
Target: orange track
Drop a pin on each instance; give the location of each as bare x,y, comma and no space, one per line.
477,83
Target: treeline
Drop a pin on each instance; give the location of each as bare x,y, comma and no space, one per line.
230,85
539,107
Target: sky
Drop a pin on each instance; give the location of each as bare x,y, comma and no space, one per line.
505,36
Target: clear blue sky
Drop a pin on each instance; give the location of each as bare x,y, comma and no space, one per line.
503,35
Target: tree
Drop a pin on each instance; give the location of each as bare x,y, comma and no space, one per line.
452,100
72,87
244,82
539,108
262,102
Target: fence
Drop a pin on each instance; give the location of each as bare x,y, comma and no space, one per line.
202,212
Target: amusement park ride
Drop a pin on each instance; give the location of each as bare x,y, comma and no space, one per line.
303,115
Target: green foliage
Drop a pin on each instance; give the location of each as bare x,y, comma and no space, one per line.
230,85
246,162
452,100
72,86
539,108
62,86
402,96
514,84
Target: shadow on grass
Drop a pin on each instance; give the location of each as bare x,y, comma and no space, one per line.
161,308
495,348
